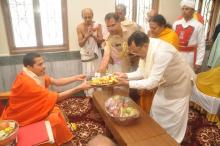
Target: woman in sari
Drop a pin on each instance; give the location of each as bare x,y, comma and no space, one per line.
161,30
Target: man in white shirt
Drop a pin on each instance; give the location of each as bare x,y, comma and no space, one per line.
191,35
162,66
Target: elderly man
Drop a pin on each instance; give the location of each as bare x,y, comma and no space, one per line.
115,49
191,35
89,38
30,100
162,66
120,11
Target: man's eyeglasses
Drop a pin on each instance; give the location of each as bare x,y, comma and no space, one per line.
134,51
110,26
87,17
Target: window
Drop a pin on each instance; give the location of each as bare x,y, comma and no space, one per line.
36,25
204,7
136,9
208,9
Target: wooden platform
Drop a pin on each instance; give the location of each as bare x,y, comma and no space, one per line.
144,132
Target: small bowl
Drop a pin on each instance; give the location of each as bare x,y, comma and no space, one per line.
120,104
11,138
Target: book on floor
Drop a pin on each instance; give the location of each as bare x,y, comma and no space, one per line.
35,134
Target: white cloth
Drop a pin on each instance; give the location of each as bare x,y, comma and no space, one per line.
209,103
188,3
88,52
197,39
169,109
89,68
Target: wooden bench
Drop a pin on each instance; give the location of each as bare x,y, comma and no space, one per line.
4,95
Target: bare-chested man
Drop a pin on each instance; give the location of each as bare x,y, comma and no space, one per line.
89,37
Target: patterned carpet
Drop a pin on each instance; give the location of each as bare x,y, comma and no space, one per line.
89,123
201,132
82,113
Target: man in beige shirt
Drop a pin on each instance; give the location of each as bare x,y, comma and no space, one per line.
115,48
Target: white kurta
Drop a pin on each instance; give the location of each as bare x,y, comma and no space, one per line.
171,101
197,39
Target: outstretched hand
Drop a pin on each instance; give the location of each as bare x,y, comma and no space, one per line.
122,82
121,75
80,77
85,85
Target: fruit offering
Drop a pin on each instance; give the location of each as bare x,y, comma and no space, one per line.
104,80
119,106
6,128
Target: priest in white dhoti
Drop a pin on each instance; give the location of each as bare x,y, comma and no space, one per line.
191,35
162,66
89,38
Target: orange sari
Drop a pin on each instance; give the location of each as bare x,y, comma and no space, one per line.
29,103
169,36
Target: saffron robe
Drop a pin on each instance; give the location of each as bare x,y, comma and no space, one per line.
30,103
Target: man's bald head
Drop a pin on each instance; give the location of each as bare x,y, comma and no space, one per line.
87,11
87,15
100,140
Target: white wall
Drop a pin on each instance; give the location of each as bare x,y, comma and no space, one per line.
170,9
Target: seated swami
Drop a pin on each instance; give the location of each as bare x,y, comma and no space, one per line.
30,100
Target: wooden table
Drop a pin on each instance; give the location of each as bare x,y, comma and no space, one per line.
144,132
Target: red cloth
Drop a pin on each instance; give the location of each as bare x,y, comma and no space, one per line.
184,37
184,34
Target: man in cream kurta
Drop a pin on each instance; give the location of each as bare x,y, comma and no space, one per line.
162,66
